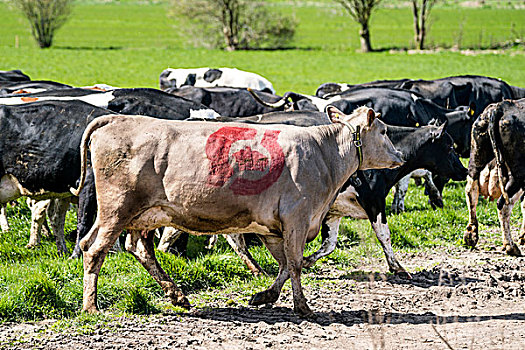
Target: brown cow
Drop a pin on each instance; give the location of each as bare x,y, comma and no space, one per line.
210,178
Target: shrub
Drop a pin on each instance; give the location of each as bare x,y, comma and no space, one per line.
234,24
45,17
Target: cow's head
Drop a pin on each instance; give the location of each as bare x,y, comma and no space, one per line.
368,133
438,154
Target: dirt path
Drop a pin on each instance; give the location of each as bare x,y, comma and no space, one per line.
476,300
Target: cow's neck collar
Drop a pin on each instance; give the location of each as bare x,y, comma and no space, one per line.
356,139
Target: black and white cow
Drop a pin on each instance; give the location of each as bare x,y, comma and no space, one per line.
32,86
139,101
39,152
498,136
232,102
210,77
364,195
126,101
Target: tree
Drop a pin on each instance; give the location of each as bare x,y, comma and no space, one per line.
234,24
360,11
421,11
45,17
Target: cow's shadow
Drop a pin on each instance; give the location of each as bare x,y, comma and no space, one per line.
422,279
276,315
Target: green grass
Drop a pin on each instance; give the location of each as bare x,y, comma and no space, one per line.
128,44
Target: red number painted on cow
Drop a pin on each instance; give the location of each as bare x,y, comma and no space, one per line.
247,160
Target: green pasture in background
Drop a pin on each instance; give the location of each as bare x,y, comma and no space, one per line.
128,44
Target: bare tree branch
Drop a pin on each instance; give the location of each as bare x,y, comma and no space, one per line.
421,14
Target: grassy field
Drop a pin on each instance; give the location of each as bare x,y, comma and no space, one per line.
128,44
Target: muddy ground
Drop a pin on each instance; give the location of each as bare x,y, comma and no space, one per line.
457,299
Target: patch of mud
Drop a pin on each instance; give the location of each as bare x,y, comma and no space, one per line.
456,299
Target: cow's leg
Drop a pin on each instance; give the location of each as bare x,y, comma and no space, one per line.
87,210
95,246
116,247
522,229
435,198
329,232
294,242
470,238
57,216
38,217
504,215
212,241
276,247
4,225
382,231
400,191
169,236
140,244
238,243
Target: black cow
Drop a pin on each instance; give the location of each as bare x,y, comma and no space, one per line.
397,107
498,133
226,101
364,196
12,76
449,92
328,90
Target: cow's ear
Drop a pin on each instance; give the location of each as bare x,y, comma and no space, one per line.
334,113
439,132
471,110
370,117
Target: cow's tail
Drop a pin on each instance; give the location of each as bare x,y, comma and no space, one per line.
94,125
495,141
283,102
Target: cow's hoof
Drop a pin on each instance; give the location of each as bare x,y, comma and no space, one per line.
470,238
32,245
436,203
63,252
264,297
91,310
512,249
75,255
303,310
182,302
308,262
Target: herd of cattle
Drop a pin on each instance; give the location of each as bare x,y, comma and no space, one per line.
215,151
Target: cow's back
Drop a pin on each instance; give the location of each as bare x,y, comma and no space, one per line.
39,142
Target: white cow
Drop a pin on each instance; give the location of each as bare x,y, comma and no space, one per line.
210,77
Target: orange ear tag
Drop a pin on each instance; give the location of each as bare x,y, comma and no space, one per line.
29,99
